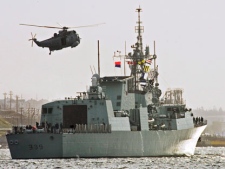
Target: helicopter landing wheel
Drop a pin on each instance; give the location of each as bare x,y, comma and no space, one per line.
50,53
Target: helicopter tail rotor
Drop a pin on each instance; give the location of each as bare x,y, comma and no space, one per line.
32,38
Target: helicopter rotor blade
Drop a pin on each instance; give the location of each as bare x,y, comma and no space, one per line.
59,24
63,27
87,25
55,27
31,42
32,39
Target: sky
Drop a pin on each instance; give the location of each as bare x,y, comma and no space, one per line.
189,38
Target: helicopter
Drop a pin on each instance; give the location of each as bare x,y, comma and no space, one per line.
63,39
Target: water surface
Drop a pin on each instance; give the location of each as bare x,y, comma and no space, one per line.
205,157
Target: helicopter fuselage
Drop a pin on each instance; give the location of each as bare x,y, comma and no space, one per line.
59,41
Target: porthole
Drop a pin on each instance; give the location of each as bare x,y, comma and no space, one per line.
16,142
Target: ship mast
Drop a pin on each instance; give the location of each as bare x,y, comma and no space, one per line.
155,67
139,29
140,61
138,52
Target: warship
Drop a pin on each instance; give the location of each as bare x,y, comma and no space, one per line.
118,116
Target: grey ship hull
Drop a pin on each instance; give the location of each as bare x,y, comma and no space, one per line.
114,144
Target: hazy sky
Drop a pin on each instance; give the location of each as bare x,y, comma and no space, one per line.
189,35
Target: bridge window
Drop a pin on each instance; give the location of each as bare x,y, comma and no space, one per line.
169,109
118,103
119,97
50,110
44,110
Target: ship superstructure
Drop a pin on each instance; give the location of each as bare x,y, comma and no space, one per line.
119,116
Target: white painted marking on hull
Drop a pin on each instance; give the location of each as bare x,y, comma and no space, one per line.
142,145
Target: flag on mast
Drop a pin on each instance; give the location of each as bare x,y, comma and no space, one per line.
149,61
118,64
146,67
130,63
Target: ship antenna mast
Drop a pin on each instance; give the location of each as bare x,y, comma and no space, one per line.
138,50
155,67
98,60
139,29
